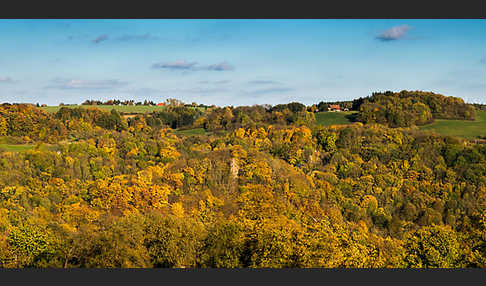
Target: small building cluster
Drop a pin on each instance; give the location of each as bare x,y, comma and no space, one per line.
336,108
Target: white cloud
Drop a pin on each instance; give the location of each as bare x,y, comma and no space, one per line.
394,33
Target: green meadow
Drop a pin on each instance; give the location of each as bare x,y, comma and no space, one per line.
15,147
334,118
462,128
190,132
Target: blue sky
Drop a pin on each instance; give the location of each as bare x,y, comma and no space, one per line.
239,62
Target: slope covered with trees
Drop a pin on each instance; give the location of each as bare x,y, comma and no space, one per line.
408,108
266,188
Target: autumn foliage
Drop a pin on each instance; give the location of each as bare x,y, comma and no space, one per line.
267,188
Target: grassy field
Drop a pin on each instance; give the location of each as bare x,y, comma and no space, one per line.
334,118
195,131
119,108
462,128
15,148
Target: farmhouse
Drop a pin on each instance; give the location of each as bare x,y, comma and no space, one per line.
334,107
160,104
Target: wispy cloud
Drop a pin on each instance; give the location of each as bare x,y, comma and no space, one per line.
193,66
264,82
21,92
146,90
224,66
55,60
177,65
177,91
203,90
395,33
271,90
141,37
6,79
100,39
86,84
461,80
214,82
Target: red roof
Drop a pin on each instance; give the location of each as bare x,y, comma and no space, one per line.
334,106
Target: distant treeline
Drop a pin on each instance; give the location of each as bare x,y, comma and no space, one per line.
117,102
479,106
169,101
402,109
28,123
229,118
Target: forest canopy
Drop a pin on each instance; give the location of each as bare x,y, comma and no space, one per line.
407,108
264,186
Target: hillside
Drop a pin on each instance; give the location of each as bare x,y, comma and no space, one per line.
248,186
407,108
462,128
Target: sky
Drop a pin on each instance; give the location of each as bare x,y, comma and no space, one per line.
238,62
